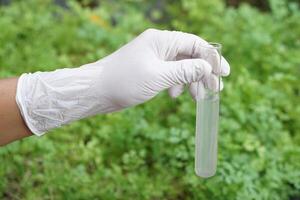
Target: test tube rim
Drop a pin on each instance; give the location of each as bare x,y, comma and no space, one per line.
212,45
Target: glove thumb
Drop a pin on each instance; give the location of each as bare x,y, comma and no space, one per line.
184,71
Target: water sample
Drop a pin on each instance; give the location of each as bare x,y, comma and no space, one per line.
207,136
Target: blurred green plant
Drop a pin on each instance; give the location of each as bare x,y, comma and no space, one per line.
147,152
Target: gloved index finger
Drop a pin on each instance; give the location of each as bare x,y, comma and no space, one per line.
182,45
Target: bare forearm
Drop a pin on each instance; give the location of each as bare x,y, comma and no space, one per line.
12,126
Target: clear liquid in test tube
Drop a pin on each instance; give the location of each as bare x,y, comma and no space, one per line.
207,116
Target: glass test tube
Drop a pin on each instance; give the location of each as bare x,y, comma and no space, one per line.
207,117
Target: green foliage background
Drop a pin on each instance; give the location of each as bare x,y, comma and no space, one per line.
147,152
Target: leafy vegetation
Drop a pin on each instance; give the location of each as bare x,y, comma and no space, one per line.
147,152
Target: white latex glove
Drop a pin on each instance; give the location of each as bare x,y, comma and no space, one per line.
132,75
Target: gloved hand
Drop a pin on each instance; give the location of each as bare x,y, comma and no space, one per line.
154,61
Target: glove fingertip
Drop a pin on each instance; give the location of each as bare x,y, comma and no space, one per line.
225,68
193,90
175,91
